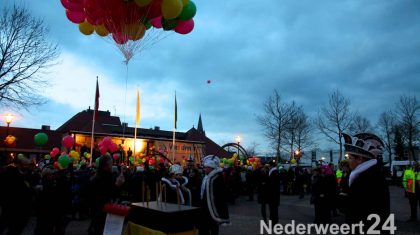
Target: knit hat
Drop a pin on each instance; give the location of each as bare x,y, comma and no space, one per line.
366,145
211,161
176,169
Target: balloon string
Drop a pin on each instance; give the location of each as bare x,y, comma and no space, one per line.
125,96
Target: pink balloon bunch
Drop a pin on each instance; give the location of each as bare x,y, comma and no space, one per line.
68,142
128,20
107,145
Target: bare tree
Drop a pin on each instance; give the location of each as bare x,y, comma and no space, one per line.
275,120
304,133
386,125
290,133
25,55
360,124
252,149
298,134
335,119
408,111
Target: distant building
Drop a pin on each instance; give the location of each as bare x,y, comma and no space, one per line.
193,143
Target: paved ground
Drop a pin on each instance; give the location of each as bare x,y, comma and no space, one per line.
246,216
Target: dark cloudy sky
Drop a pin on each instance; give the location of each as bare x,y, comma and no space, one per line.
369,50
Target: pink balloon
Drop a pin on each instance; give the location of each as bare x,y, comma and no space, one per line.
107,141
103,150
68,142
113,147
184,27
76,17
156,22
115,156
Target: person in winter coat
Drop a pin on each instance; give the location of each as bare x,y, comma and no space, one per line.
214,208
176,182
273,185
368,192
103,188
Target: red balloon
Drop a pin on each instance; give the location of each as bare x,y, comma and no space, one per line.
71,5
156,22
56,165
68,142
119,38
54,152
76,17
184,27
154,9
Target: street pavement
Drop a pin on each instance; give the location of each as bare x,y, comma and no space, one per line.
246,215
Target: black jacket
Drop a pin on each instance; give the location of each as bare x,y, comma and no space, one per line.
368,194
273,187
214,199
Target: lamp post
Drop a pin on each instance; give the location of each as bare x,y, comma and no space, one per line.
238,140
9,118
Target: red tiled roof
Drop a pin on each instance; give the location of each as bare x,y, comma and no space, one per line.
211,147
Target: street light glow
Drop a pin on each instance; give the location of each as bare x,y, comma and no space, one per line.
297,152
238,139
9,118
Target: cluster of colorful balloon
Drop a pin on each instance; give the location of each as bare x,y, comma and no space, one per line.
254,162
107,145
152,161
130,19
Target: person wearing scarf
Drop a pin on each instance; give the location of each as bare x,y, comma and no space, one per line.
214,208
368,191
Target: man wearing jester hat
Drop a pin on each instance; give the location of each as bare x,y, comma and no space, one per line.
368,192
214,209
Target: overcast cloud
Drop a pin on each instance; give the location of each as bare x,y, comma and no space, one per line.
369,50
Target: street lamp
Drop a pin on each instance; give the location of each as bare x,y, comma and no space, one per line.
9,118
238,140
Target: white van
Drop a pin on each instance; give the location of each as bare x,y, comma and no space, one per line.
398,167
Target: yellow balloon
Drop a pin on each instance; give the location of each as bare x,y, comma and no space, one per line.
293,161
101,30
222,165
86,28
143,3
135,31
171,8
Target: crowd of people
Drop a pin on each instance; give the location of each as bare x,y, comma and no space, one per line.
55,196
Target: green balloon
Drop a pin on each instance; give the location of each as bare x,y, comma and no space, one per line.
41,139
188,11
97,162
47,157
147,24
64,161
169,24
131,159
